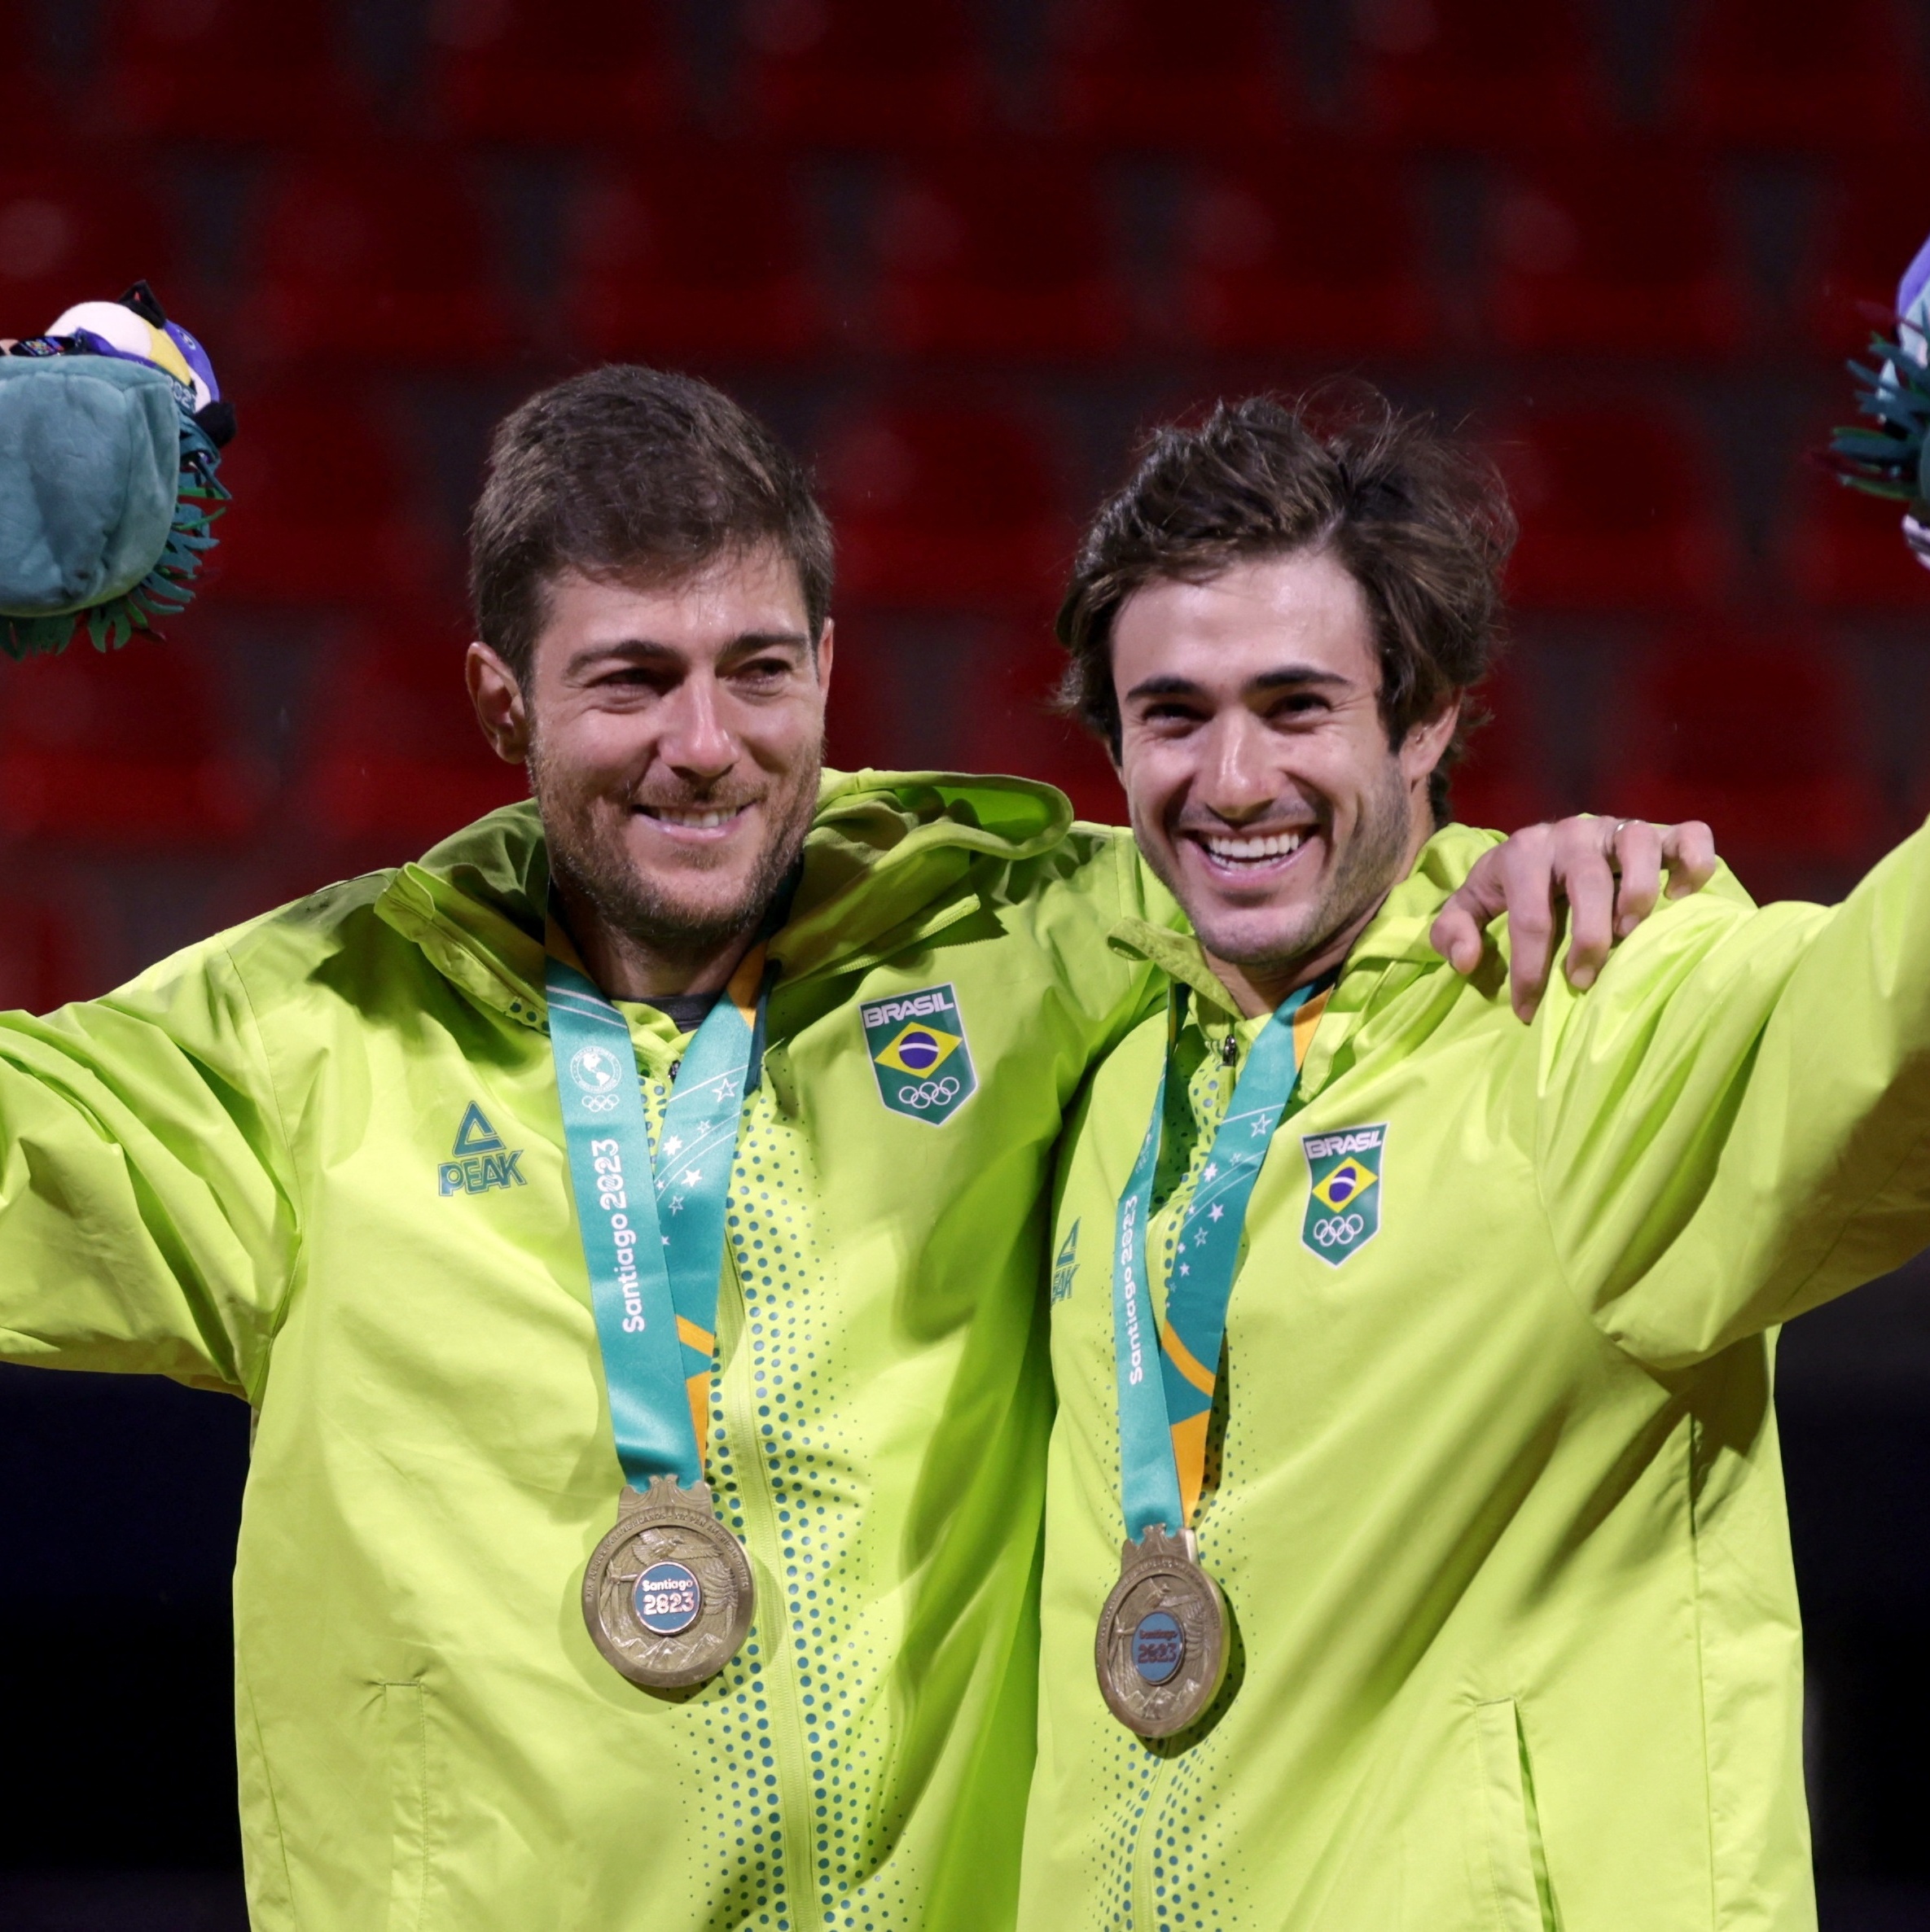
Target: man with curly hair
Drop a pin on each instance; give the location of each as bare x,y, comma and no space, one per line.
1414,1486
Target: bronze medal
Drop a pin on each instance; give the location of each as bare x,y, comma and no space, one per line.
668,1592
1161,1650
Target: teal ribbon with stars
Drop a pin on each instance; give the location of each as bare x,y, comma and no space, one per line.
653,1227
1163,1418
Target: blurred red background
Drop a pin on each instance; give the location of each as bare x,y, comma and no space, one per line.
962,253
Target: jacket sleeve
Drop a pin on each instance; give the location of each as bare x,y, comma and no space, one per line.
146,1213
1731,1128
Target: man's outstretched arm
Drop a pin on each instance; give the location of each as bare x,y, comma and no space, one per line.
147,1220
1733,1125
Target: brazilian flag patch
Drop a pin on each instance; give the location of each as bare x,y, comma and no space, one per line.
1343,1190
919,1052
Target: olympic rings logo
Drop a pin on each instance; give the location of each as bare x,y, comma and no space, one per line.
598,1103
931,1093
1348,1227
595,1069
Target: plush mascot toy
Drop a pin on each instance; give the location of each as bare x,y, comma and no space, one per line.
111,426
1892,460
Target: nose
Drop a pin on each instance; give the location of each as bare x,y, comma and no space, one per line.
696,743
1237,779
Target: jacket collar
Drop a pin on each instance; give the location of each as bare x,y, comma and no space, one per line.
888,861
1389,956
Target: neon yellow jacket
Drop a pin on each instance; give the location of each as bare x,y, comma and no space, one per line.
318,1161
1498,1509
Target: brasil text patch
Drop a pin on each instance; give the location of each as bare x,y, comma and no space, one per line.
1343,1190
919,1052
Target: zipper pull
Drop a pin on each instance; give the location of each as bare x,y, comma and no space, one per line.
1229,1050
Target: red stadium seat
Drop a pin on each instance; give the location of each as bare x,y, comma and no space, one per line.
1014,728
374,255
1501,782
397,761
863,73
952,501
701,253
948,690
29,110
73,233
1621,507
227,70
1758,734
1316,249
320,511
1477,73
129,749
1616,251
1845,550
1786,73
1142,73
46,958
1004,252
863,706
519,70
905,687
1874,219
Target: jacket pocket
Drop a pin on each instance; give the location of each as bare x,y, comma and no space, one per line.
1524,1900
405,1736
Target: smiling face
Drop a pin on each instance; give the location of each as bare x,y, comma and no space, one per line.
1262,788
674,734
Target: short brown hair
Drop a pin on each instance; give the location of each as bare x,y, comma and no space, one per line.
1420,521
625,469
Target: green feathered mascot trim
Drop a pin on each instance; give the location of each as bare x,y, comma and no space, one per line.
167,590
1892,460
1888,461
111,425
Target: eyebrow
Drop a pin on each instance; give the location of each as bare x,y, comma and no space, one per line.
644,649
1169,686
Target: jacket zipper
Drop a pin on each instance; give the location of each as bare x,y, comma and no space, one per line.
773,1626
1146,1839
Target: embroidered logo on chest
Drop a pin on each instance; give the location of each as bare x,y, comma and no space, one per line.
1065,1265
920,1055
1343,1190
480,1161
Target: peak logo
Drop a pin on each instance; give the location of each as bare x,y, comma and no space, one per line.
1065,1265
480,1161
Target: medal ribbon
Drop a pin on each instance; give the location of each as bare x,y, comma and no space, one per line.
653,1229
1163,1418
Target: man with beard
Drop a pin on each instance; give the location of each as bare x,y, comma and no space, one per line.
1441,1574
671,1562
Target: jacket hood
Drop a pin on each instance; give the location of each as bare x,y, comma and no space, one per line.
887,860
1398,932
1391,952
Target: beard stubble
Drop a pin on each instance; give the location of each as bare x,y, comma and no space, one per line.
1365,870
587,854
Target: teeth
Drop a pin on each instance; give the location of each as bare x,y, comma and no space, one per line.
1248,851
701,821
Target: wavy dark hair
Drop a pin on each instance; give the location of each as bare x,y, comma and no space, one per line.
1420,519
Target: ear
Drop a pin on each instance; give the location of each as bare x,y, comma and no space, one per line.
498,700
824,655
1421,749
